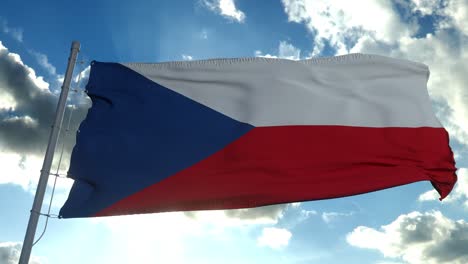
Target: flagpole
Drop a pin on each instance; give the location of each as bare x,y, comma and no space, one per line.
49,156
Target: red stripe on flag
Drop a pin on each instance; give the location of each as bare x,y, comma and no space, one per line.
271,165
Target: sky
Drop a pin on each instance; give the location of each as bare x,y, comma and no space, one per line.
407,224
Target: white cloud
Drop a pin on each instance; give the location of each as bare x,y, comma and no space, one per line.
15,33
7,101
288,51
187,57
226,8
426,7
285,51
329,217
296,205
457,13
431,195
275,238
297,215
24,170
303,215
338,21
417,238
458,194
56,80
308,213
259,53
44,62
10,253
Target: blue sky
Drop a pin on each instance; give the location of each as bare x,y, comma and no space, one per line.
380,227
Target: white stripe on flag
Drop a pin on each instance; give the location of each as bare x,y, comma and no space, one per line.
350,90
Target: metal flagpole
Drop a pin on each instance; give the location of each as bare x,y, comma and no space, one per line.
49,155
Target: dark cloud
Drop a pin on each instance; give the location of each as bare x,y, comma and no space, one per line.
428,238
453,249
417,230
9,253
270,212
25,128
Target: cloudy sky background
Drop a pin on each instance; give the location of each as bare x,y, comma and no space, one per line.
400,225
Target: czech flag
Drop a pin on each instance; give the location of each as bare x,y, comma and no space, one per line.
248,132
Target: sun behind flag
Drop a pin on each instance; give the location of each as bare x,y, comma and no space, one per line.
239,133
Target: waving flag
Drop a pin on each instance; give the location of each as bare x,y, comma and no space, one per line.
239,133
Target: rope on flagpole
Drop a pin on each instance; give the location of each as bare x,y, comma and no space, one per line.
48,215
56,174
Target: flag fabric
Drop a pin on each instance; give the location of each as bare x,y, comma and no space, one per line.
248,132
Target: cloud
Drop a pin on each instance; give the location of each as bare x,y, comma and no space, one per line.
27,109
456,14
416,237
10,253
425,7
19,169
272,212
187,57
285,51
44,62
25,125
296,205
226,8
459,193
294,214
308,213
288,51
259,215
15,33
341,22
274,237
259,53
431,195
304,215
329,217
